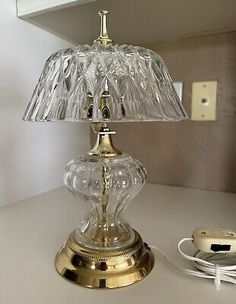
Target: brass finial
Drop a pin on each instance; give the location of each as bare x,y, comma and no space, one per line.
103,38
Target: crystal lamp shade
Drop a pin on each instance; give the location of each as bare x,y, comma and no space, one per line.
104,186
105,83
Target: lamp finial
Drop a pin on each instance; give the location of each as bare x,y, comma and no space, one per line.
103,38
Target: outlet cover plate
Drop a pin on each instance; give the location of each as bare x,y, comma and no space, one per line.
204,100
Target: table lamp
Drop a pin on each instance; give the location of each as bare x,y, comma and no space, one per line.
99,84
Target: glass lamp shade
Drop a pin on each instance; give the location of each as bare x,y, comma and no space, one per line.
102,83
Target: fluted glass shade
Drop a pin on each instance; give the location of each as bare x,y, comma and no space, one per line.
105,83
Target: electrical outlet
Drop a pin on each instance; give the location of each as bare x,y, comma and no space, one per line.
204,100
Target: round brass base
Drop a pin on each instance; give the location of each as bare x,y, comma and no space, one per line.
104,268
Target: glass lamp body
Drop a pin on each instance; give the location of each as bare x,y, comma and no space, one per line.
105,186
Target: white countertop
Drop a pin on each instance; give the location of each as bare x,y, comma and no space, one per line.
33,230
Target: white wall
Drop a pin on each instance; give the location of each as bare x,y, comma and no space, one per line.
32,155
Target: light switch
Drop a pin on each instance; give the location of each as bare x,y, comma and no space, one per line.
204,100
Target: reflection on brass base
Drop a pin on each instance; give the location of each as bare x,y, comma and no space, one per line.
104,268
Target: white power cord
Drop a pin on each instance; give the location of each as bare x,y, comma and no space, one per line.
216,266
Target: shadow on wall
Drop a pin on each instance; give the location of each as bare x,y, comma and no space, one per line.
191,154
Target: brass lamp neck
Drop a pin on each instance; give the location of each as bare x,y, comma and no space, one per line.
103,38
104,146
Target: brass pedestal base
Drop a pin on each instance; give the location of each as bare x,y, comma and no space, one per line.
104,268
